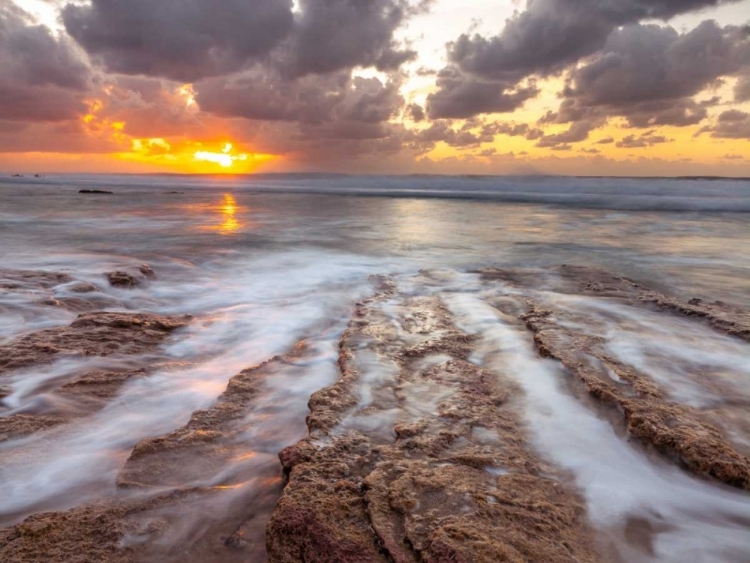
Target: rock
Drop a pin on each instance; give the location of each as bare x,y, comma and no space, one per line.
95,192
356,493
146,270
118,278
83,287
678,431
130,279
29,280
91,334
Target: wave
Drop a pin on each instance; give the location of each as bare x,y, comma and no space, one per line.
627,194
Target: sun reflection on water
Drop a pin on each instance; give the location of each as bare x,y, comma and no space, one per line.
228,209
224,216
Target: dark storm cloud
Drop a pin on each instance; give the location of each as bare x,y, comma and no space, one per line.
178,39
553,33
461,97
648,63
649,75
188,40
416,113
42,78
332,35
543,39
264,95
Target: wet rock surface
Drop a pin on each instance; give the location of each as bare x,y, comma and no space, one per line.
131,277
677,430
91,334
592,281
422,450
181,497
24,280
428,463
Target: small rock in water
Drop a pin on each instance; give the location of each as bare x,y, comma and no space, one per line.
122,278
94,192
118,278
146,270
83,287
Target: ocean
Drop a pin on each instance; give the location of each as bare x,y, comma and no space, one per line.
263,263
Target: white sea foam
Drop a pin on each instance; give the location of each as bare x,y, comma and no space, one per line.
695,521
246,314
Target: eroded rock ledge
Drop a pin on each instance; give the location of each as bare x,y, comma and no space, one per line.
416,454
91,334
676,430
453,481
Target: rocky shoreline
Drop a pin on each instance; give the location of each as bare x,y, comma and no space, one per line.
420,451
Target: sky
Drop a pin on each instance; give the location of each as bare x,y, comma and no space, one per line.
574,87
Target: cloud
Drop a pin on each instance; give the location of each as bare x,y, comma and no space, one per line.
515,130
441,131
544,39
416,113
187,40
42,77
647,139
742,89
331,35
577,132
649,74
178,39
458,97
731,124
267,96
550,34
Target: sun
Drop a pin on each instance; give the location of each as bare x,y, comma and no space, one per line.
225,158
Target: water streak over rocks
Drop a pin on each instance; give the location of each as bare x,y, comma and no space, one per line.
678,430
200,493
81,397
445,438
454,481
674,429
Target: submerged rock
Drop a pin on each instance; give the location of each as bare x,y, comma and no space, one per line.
118,278
130,279
83,287
83,396
28,280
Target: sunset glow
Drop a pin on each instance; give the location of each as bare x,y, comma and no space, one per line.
224,158
505,102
